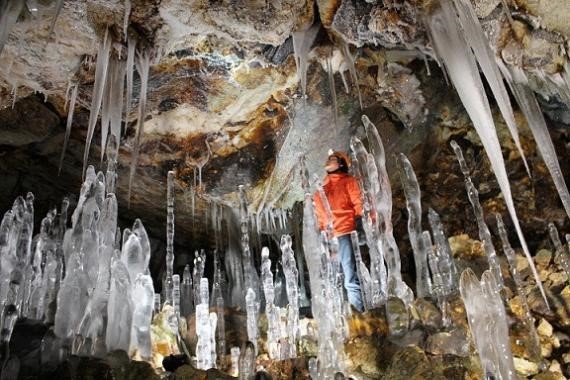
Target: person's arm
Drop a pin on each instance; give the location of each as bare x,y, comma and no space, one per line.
355,196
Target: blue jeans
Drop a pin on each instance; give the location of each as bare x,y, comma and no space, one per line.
348,264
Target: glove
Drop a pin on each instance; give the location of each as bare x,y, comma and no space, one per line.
360,231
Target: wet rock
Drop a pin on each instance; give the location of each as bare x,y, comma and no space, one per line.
29,122
187,372
411,363
429,314
543,258
525,367
454,342
544,328
397,316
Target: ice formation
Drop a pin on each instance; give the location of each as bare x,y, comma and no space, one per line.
528,320
205,330
168,282
414,206
484,233
302,42
68,124
561,252
461,67
488,323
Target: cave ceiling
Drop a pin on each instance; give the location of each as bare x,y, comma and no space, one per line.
224,97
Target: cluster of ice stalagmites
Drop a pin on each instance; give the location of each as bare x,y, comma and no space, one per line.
93,285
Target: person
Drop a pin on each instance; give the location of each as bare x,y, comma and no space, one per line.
343,194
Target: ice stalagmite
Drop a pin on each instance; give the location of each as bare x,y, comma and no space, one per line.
383,194
101,69
488,323
302,42
143,300
476,38
368,177
220,335
561,253
130,66
169,238
205,329
68,124
186,293
251,308
291,275
443,250
533,114
462,69
440,277
528,320
484,233
143,67
271,311
413,204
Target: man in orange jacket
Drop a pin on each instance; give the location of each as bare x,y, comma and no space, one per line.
345,200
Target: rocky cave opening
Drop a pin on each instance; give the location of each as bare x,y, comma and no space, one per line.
166,211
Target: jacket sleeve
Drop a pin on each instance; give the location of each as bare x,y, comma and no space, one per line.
355,195
319,211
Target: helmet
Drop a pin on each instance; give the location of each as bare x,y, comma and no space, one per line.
343,159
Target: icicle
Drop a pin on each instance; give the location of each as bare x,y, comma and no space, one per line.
117,87
333,94
462,70
143,69
475,36
98,91
9,13
252,327
302,42
529,105
14,95
528,320
443,249
187,297
352,69
132,44
291,276
70,112
440,277
126,18
58,7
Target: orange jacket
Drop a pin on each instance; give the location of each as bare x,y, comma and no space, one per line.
343,193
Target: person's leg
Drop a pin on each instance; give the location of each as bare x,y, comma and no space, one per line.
348,264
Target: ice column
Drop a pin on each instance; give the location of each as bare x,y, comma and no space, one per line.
251,308
528,320
143,301
413,204
271,311
169,238
484,233
186,293
250,275
205,329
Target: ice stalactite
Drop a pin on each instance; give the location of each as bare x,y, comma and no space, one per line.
488,323
302,42
68,124
330,74
484,233
414,206
443,251
349,59
476,38
561,253
130,66
101,69
383,198
168,285
518,82
116,83
9,13
58,8
528,320
143,67
126,18
461,68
